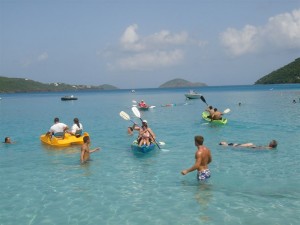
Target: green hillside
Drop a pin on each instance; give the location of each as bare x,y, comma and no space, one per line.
13,85
289,73
175,83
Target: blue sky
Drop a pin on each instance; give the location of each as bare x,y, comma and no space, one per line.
141,44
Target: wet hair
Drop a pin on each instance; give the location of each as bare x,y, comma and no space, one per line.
76,121
273,144
85,139
215,109
199,140
6,140
56,120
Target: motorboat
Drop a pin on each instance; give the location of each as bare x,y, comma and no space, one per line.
192,95
68,98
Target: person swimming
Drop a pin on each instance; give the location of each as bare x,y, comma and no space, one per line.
272,145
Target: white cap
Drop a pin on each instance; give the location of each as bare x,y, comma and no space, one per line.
145,121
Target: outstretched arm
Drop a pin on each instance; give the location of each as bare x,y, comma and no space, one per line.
96,149
195,166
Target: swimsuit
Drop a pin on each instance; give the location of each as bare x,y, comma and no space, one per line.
203,175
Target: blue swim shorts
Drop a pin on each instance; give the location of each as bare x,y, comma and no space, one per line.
203,175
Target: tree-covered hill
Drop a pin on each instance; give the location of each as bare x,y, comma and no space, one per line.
13,85
289,73
175,83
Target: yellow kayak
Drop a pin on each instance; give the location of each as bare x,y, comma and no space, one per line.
62,142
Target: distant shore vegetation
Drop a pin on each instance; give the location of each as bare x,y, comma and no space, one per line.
178,82
287,74
16,85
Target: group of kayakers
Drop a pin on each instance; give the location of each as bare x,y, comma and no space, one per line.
58,129
214,114
146,135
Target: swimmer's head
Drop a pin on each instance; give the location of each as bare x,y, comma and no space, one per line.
273,144
223,143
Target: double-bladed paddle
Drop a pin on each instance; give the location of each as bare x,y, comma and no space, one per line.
203,100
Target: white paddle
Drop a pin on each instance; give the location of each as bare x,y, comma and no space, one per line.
226,111
125,116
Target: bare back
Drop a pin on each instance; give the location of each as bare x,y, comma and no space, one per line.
202,157
85,152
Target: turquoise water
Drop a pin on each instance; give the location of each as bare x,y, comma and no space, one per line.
43,185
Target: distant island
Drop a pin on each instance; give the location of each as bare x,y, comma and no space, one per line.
176,83
287,74
15,85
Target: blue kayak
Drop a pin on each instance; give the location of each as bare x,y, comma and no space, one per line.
143,149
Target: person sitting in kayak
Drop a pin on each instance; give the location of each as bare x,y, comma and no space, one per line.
216,115
145,134
211,111
77,128
57,129
272,145
143,104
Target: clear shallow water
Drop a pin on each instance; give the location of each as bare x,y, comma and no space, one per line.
43,185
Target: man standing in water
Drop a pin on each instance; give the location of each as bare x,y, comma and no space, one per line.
202,159
85,149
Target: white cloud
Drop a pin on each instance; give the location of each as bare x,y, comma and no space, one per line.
240,42
157,50
42,57
166,37
151,60
130,39
284,30
280,32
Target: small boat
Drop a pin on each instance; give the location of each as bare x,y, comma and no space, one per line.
192,95
62,142
68,98
146,107
205,115
143,106
143,149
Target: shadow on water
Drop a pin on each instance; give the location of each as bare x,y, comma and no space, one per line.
203,194
51,150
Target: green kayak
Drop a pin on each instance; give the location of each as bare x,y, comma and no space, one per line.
205,114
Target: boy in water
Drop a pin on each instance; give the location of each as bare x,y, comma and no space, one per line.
202,159
85,149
